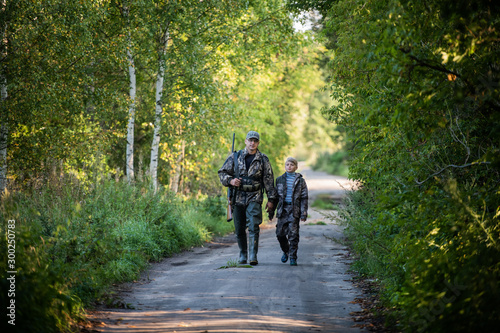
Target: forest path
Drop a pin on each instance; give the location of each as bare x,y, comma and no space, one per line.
190,292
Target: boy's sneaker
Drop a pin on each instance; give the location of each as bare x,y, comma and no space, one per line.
284,258
293,262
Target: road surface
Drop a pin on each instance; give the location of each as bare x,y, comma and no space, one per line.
192,292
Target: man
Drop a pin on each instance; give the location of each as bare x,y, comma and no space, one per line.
249,176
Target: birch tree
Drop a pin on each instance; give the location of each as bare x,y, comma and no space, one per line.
153,169
208,41
132,95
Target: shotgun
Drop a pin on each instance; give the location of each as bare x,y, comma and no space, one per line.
229,194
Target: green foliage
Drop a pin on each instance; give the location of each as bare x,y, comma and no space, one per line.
416,86
335,163
42,299
233,263
65,67
85,241
208,212
323,202
68,86
317,223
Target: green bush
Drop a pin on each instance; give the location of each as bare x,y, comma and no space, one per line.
323,202
416,89
440,271
332,163
43,301
74,244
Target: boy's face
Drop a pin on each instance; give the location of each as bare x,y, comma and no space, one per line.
290,167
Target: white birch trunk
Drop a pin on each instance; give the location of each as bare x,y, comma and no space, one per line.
176,179
155,147
131,116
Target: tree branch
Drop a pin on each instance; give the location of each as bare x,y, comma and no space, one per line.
441,69
450,166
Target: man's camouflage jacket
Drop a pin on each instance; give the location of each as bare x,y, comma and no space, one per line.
259,171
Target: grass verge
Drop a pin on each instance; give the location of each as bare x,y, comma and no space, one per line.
72,245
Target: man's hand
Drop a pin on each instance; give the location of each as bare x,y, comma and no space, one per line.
270,210
236,182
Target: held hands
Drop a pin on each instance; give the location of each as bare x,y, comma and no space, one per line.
270,210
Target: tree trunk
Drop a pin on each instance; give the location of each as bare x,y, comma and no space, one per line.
140,171
131,116
155,147
132,92
176,179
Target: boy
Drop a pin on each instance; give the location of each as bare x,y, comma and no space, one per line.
292,206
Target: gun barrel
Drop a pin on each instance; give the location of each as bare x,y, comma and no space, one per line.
229,212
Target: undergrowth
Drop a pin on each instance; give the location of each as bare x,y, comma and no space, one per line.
71,245
437,260
332,163
324,202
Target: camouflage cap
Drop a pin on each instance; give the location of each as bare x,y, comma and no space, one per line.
253,134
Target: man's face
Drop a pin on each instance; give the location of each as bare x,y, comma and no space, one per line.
252,145
290,167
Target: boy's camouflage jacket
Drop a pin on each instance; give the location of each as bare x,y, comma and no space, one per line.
260,171
299,196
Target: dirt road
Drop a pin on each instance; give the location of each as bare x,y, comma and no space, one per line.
190,292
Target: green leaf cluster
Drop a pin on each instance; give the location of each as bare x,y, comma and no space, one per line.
66,76
416,86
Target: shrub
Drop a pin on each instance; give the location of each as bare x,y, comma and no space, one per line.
439,270
332,163
43,301
73,245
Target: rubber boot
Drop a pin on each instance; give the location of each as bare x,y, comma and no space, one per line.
242,244
253,248
239,220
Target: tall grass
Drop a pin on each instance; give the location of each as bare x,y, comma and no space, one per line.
72,245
